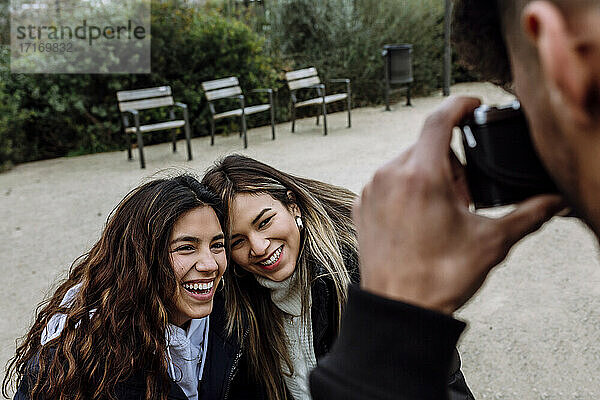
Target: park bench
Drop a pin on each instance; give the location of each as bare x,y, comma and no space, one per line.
308,79
131,102
229,88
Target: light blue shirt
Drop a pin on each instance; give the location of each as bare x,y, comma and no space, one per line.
187,354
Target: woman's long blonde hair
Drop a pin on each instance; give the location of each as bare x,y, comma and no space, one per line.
328,232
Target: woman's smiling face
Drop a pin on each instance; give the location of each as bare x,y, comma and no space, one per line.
265,239
197,252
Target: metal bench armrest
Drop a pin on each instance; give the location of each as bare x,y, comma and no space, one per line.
267,90
136,117
315,86
181,105
184,107
240,98
320,87
343,80
242,103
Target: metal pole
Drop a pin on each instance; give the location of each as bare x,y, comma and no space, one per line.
447,47
386,63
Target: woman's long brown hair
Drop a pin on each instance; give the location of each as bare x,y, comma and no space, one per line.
328,228
127,278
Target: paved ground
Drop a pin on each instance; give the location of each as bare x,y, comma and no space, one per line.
534,329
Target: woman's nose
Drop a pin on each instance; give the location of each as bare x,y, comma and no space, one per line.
258,246
206,264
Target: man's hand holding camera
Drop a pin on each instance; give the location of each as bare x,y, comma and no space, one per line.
419,242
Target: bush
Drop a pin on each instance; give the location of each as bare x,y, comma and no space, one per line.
204,46
344,38
45,116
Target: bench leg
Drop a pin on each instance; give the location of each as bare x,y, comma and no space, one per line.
173,137
318,119
244,131
272,123
324,118
129,155
408,103
387,96
140,143
293,118
188,139
188,134
349,105
212,132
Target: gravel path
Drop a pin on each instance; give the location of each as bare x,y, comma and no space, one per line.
534,329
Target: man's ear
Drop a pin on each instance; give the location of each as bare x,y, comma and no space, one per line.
562,57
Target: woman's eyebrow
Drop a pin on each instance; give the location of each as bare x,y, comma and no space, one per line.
260,214
218,237
185,239
255,220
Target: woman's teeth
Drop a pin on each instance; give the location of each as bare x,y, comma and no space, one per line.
271,260
199,288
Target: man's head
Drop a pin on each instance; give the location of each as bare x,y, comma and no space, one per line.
549,51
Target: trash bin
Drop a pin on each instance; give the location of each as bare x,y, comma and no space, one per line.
398,69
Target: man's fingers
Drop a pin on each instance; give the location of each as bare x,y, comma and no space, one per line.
529,217
461,188
437,131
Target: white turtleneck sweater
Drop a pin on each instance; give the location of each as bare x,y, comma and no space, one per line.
286,295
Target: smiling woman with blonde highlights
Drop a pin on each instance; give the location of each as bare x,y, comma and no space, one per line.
130,322
292,254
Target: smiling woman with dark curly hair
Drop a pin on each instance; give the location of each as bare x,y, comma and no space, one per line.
131,319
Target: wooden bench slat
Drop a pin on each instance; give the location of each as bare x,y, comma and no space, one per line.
231,113
319,100
257,108
301,73
220,83
157,127
302,83
222,93
247,110
128,95
145,104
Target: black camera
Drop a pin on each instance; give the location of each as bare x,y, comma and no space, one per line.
502,166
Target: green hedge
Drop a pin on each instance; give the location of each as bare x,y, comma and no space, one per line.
345,38
45,116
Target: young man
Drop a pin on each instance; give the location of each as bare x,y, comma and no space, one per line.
423,253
